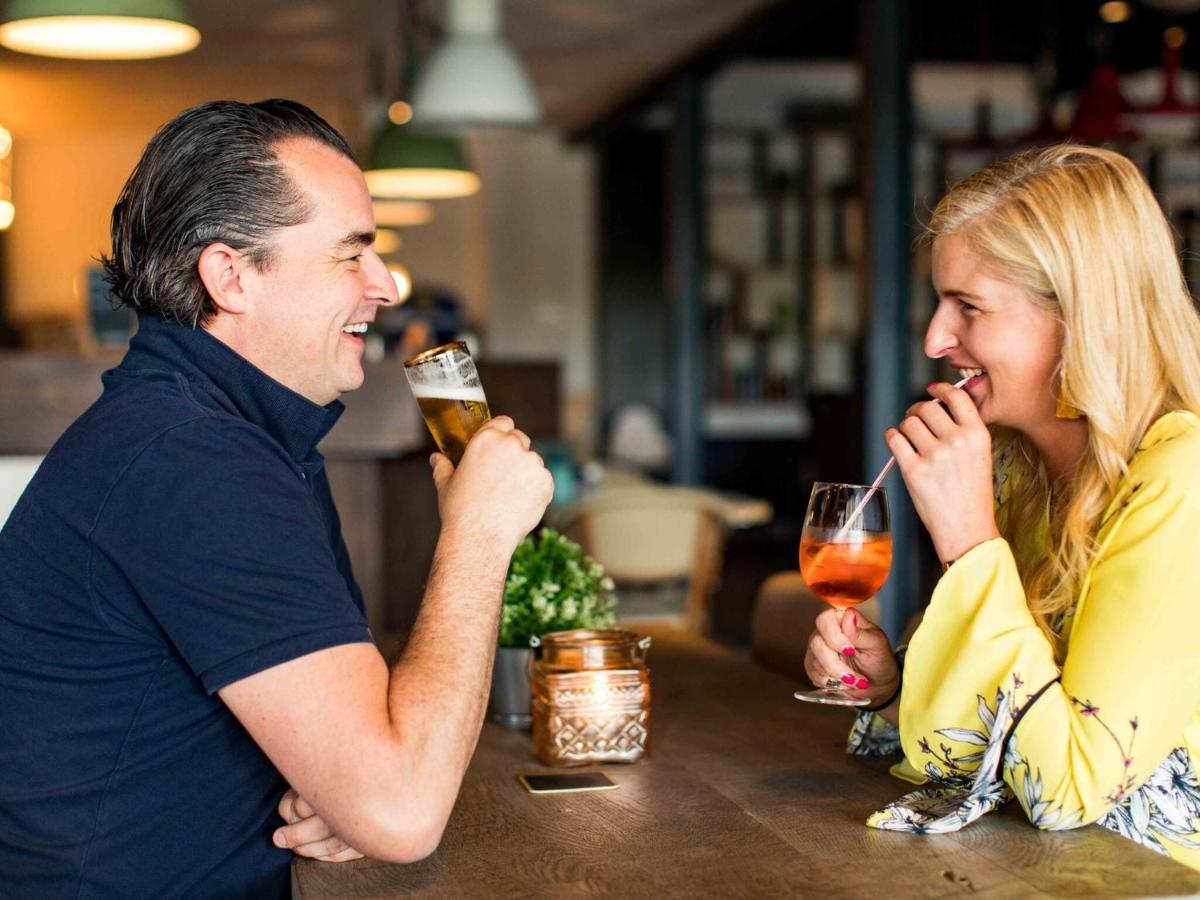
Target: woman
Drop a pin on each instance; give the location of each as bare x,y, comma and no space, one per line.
1057,660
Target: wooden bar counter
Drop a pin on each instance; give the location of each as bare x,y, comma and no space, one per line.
748,793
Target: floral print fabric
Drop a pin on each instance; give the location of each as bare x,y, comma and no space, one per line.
987,714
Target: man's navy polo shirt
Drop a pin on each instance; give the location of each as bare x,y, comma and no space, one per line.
180,536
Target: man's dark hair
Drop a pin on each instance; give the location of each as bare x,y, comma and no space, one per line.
209,175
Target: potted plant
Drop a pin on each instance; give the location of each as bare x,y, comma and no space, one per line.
551,586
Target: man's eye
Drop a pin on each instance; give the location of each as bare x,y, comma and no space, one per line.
354,259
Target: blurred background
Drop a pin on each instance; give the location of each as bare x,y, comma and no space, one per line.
678,235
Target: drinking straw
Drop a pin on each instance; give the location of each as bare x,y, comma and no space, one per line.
841,532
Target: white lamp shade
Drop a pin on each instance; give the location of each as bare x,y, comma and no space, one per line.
473,77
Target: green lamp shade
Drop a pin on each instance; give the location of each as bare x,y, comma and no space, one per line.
97,29
419,166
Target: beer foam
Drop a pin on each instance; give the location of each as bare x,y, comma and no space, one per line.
439,392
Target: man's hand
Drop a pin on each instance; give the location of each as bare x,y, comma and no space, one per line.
499,491
306,833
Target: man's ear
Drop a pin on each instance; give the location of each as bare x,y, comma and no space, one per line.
220,269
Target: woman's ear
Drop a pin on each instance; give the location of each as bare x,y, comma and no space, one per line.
220,272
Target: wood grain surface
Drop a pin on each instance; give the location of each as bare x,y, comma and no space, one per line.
749,793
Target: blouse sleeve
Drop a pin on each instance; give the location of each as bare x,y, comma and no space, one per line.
985,711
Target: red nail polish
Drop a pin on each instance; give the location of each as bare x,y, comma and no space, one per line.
930,384
862,684
848,678
854,619
848,651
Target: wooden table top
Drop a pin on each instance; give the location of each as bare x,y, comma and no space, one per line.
748,793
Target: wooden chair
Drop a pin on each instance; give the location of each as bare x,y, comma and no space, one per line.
647,534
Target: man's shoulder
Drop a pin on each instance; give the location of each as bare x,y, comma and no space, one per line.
160,412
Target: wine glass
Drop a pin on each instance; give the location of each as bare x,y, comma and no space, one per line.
845,556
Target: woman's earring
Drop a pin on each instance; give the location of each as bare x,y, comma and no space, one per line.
1063,409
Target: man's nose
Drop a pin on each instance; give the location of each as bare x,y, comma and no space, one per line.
381,287
940,336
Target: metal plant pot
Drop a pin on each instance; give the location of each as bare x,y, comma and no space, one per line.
509,701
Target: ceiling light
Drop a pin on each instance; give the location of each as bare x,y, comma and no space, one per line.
473,76
399,113
1114,11
403,281
418,165
98,29
401,213
387,240
7,211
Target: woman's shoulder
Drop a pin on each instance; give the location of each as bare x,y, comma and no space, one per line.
1170,450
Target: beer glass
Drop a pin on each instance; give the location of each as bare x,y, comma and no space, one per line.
451,399
845,557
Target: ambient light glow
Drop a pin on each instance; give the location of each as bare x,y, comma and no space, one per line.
99,37
387,240
403,281
400,113
401,213
428,184
1114,11
7,211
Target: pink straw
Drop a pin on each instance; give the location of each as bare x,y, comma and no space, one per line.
841,532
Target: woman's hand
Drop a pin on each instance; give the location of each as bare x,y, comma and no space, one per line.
945,456
849,648
306,833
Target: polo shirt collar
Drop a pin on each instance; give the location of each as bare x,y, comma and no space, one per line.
293,420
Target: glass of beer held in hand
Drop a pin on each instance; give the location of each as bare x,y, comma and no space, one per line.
845,557
450,396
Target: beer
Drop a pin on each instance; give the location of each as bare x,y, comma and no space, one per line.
453,416
447,389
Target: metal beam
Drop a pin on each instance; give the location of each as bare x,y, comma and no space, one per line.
687,269
887,193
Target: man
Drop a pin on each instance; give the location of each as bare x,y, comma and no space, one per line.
181,637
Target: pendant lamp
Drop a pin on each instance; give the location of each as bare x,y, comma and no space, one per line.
473,77
97,29
411,163
401,213
414,164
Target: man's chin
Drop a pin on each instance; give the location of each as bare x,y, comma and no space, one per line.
351,381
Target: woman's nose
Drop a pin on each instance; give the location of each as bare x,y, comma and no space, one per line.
940,337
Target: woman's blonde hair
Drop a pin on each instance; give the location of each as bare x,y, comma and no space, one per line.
1080,230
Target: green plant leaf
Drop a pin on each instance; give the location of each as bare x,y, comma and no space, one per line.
553,586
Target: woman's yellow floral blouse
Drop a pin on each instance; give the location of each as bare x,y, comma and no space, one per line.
1111,739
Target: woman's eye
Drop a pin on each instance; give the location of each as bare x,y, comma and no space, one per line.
967,308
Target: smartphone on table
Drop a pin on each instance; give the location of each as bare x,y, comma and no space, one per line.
566,782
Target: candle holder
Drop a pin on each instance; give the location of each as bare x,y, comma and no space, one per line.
591,697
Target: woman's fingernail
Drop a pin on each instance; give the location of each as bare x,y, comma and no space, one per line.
862,684
930,384
280,839
848,651
848,678
854,619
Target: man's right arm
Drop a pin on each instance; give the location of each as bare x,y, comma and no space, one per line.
380,754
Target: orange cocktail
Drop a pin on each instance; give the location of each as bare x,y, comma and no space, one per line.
846,572
845,557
